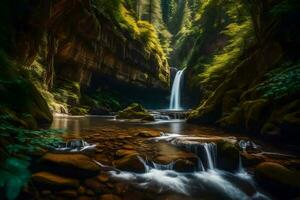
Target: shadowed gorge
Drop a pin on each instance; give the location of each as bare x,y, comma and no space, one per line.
149,99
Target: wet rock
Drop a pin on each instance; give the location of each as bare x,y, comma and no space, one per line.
278,179
71,164
135,111
184,166
53,180
148,134
122,188
102,159
109,197
94,184
128,146
125,152
228,156
251,159
103,177
68,193
131,163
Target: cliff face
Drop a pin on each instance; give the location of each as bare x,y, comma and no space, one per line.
252,85
73,44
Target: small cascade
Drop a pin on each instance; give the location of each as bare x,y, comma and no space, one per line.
207,151
211,154
176,91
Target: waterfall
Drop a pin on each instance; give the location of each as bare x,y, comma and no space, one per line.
175,95
210,151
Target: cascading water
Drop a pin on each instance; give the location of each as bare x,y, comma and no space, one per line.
176,91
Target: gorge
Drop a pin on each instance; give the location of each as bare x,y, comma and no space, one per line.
93,105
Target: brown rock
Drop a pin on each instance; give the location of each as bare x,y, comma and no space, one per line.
251,159
125,152
53,180
68,193
103,177
130,163
128,146
72,163
94,184
184,166
148,134
109,197
278,179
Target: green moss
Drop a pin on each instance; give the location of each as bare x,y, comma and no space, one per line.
79,110
254,113
135,111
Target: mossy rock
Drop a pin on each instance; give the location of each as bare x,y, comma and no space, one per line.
230,101
233,121
270,129
255,113
79,110
278,179
135,111
228,156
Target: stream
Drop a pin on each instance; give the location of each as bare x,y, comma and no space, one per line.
175,138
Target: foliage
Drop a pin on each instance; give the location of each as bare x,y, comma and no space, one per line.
285,7
223,63
122,12
14,174
281,82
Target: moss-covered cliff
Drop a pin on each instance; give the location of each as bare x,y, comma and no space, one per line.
64,48
246,65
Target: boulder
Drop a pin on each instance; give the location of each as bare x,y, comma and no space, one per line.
251,159
125,152
71,164
135,111
184,166
278,179
228,156
131,163
148,134
52,180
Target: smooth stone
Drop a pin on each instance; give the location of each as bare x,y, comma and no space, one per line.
125,152
184,166
79,163
251,159
53,180
130,163
278,179
103,177
148,134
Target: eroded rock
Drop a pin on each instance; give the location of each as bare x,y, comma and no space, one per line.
278,179
55,181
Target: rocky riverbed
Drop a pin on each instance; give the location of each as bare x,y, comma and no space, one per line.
109,159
